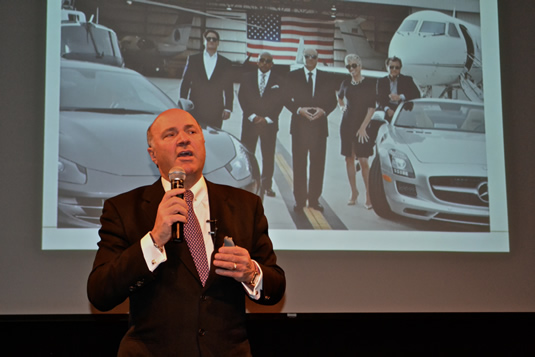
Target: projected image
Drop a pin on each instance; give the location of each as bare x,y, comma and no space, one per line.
424,167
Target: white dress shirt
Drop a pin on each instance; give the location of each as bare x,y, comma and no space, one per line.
209,63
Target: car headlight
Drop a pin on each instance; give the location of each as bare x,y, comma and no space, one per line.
69,171
239,167
401,164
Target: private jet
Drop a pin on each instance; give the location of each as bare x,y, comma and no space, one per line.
440,50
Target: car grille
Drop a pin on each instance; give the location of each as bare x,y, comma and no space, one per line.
470,191
91,208
406,189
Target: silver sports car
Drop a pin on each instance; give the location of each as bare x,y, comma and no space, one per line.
431,163
104,115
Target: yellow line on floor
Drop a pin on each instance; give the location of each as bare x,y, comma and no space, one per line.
316,218
285,168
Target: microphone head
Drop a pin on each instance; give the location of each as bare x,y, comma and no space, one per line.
177,173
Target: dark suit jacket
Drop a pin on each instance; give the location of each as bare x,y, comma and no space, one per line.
297,95
209,96
268,105
170,312
406,87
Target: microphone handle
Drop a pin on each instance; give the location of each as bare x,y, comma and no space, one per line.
177,229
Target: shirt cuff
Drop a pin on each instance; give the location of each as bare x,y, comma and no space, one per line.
254,291
153,255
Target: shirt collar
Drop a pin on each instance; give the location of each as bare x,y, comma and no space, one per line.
207,55
260,73
313,71
199,190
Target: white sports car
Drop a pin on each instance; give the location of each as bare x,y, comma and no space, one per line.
431,163
104,115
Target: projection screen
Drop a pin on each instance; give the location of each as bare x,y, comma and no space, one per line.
86,159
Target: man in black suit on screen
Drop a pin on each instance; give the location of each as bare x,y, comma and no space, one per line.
395,88
261,100
310,97
207,82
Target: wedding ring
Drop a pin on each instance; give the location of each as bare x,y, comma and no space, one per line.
235,266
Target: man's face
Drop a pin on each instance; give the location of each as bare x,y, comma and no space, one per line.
311,59
394,67
210,41
177,140
265,62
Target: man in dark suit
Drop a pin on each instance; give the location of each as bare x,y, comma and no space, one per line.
207,82
181,302
261,100
394,88
310,97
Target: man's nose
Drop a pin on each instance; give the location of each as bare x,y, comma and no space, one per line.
182,138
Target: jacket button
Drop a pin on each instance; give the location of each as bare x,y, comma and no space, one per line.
202,332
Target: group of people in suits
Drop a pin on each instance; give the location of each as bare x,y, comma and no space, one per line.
310,95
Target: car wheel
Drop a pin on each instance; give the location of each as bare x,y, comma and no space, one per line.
377,191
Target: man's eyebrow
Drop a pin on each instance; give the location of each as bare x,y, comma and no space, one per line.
169,130
189,126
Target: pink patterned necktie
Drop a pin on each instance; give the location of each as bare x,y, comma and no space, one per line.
195,240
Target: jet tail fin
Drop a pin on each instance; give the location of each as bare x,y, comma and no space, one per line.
300,51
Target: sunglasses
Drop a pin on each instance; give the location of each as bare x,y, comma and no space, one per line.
311,56
395,67
212,39
352,66
265,60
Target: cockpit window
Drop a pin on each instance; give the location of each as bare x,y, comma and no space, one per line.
408,26
434,28
452,30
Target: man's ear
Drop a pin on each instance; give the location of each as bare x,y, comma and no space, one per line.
152,155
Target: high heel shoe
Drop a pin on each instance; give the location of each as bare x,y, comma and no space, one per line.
352,201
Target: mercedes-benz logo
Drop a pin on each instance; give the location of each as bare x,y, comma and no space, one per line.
483,192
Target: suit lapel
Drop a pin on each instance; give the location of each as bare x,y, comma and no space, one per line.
221,210
151,199
269,83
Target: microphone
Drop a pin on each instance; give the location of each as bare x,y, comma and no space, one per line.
177,175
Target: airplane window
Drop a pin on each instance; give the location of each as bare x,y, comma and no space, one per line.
408,26
452,30
435,28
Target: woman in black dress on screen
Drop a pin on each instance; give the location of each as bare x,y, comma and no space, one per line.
357,103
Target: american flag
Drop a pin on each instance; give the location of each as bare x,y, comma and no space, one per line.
280,35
